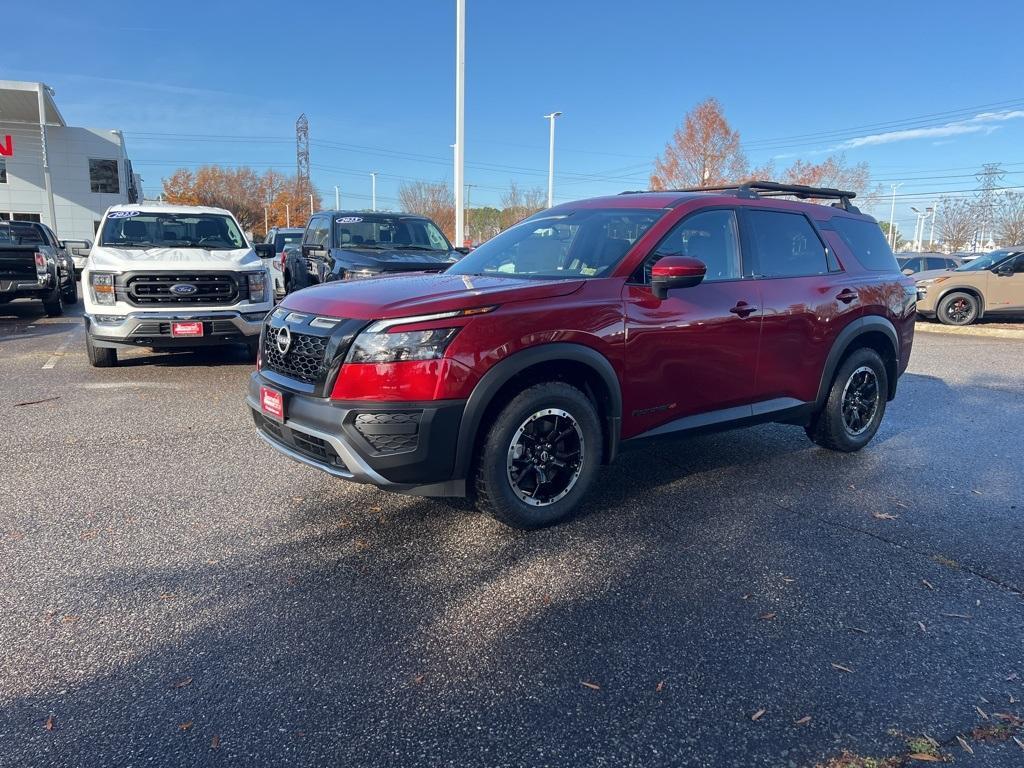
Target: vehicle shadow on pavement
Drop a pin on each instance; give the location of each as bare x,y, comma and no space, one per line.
192,358
707,580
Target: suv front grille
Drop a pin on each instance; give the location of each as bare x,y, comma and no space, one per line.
305,360
155,289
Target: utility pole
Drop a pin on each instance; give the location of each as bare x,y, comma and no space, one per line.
311,205
373,189
931,235
266,219
551,158
302,158
337,198
287,215
460,119
892,217
469,208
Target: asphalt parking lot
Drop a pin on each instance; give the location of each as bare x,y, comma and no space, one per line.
175,593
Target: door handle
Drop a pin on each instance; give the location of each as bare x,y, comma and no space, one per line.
743,309
846,295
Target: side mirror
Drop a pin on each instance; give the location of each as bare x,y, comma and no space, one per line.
908,271
83,252
463,250
1004,270
264,250
313,250
671,272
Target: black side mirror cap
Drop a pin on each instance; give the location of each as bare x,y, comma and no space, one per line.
264,250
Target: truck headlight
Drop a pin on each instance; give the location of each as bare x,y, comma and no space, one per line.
401,346
102,288
257,287
360,274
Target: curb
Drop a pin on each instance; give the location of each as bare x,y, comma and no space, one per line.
972,330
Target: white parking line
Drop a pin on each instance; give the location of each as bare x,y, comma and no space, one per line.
59,353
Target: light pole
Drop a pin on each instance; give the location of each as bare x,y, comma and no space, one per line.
373,189
337,198
892,216
469,229
460,119
931,234
551,158
287,215
922,216
266,219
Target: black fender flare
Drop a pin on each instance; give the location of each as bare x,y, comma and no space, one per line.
843,342
501,373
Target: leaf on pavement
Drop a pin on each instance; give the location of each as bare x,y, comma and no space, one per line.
36,402
1019,742
182,683
185,726
957,615
215,742
659,687
884,516
841,668
768,616
925,757
964,744
859,630
746,596
788,580
927,583
49,723
981,712
591,686
922,626
975,490
758,715
803,720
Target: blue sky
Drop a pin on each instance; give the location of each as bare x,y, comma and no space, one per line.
376,81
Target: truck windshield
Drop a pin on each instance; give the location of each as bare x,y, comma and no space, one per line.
366,231
584,243
145,229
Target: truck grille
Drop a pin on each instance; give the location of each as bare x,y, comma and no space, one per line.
155,289
305,360
163,328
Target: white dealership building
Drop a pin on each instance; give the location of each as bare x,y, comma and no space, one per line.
50,172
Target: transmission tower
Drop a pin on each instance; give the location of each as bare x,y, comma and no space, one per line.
305,188
989,179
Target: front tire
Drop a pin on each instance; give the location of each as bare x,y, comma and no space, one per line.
855,404
100,357
958,308
71,292
53,305
540,457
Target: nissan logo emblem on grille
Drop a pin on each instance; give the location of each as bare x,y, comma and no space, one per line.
183,289
284,340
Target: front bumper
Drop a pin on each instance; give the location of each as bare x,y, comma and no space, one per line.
153,329
404,447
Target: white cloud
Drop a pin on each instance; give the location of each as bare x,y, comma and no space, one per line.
985,122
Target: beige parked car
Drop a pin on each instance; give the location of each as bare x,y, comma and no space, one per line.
990,285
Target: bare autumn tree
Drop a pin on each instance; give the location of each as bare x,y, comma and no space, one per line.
247,194
704,150
957,222
518,203
1010,219
830,172
434,200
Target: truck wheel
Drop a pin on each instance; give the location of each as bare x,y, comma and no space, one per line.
54,303
71,292
540,457
958,308
855,404
100,357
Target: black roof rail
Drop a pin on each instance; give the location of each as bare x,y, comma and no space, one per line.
751,190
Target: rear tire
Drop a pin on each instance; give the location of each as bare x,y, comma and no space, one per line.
71,292
958,308
54,303
540,457
100,357
855,404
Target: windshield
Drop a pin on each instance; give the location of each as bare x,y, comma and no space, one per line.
586,243
388,232
983,262
144,229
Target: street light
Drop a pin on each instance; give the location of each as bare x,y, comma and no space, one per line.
460,119
373,190
892,215
922,216
551,158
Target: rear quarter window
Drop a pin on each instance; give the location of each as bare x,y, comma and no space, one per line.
867,242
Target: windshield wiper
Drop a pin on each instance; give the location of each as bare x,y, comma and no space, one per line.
406,247
129,244
374,246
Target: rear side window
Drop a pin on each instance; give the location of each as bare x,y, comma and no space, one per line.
317,232
786,245
868,243
292,238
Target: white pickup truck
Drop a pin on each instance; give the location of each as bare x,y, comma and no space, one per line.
172,276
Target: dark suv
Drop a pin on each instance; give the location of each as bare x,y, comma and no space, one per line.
512,376
351,245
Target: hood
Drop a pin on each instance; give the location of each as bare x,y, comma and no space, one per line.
931,274
420,293
173,259
382,258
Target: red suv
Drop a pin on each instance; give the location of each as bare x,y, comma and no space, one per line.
513,375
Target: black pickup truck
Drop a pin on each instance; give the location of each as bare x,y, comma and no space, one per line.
35,264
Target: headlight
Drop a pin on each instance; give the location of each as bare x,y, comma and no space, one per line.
102,287
257,287
360,274
401,346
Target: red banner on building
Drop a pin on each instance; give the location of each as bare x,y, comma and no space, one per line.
7,147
